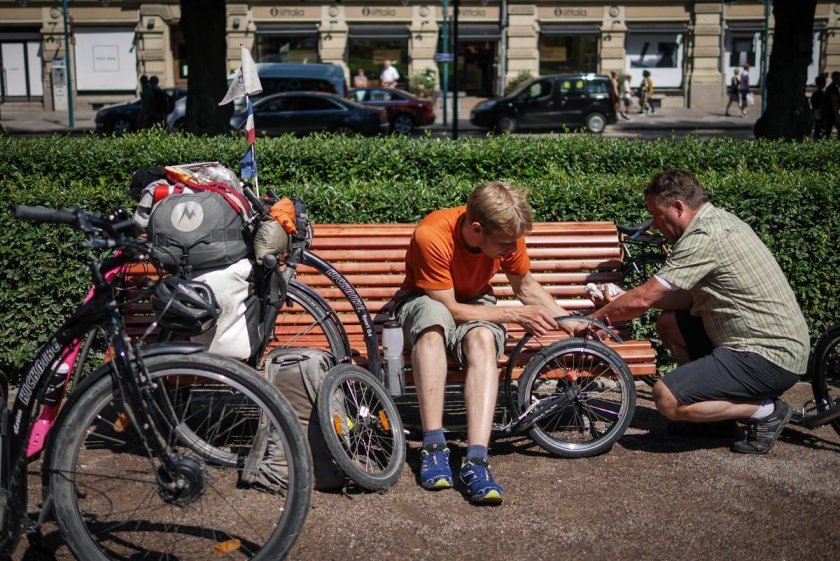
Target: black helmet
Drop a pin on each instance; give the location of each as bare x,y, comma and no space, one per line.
184,306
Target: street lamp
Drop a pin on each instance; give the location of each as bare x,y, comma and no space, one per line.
68,69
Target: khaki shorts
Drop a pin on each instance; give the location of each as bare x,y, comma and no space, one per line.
418,312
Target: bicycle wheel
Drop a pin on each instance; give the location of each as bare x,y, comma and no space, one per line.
361,427
113,500
307,320
825,378
594,393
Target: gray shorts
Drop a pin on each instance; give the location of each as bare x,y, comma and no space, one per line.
418,312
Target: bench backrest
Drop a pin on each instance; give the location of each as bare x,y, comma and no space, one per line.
564,257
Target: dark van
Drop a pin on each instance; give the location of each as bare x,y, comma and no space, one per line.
550,102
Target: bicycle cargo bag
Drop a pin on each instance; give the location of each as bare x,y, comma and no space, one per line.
298,374
198,228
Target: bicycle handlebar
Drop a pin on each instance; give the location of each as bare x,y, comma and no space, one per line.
632,230
46,215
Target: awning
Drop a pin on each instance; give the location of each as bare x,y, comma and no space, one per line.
561,29
300,30
657,27
378,32
478,32
20,35
745,26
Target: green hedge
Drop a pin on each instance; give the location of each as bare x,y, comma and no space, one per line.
790,193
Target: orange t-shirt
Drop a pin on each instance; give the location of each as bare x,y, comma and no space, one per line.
438,259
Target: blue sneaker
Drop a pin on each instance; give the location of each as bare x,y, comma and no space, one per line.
435,472
481,485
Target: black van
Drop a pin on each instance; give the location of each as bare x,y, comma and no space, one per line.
550,102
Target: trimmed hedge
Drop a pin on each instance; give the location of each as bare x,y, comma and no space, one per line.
790,193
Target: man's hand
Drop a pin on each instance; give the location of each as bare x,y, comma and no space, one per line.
535,319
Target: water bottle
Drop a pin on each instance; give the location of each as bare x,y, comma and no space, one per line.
392,349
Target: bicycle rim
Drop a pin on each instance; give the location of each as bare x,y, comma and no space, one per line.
825,378
597,391
113,501
308,321
361,427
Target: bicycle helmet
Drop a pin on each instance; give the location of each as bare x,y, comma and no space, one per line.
184,306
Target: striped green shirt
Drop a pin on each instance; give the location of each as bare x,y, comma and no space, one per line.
739,289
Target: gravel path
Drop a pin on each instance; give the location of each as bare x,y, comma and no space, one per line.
654,496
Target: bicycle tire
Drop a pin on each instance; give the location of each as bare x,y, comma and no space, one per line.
318,317
825,375
361,426
107,492
604,397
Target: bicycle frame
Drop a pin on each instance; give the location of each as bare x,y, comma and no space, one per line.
46,419
44,382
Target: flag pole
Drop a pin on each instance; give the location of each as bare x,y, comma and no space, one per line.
253,150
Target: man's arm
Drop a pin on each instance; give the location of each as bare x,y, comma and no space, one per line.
531,292
632,304
535,318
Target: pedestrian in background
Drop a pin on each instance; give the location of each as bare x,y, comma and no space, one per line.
645,93
360,80
744,89
818,103
832,105
389,76
732,90
627,95
614,97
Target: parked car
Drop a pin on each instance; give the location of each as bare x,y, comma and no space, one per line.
304,112
404,110
124,117
278,77
550,102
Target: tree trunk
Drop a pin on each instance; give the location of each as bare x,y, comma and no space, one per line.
203,25
787,114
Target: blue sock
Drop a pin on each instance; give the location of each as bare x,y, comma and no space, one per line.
476,453
434,437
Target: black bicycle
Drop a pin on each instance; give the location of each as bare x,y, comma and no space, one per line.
824,409
144,460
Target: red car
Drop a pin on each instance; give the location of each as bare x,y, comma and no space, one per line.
404,110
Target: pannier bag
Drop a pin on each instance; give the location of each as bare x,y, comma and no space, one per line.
298,374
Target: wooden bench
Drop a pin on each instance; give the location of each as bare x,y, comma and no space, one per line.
564,257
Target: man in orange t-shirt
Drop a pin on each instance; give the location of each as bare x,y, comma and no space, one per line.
446,304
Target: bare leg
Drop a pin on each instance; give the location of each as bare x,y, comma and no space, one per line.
428,363
703,412
482,385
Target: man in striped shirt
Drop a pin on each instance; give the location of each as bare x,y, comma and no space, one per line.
730,317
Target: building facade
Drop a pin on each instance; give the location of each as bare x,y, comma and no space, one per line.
690,48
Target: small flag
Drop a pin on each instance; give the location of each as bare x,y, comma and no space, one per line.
249,124
246,81
248,164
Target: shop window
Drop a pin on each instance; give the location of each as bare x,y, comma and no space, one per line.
743,51
370,54
661,53
560,54
297,49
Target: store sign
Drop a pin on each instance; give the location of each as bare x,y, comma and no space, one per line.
478,12
377,12
286,12
571,12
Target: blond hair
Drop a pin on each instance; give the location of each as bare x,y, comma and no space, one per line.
498,206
